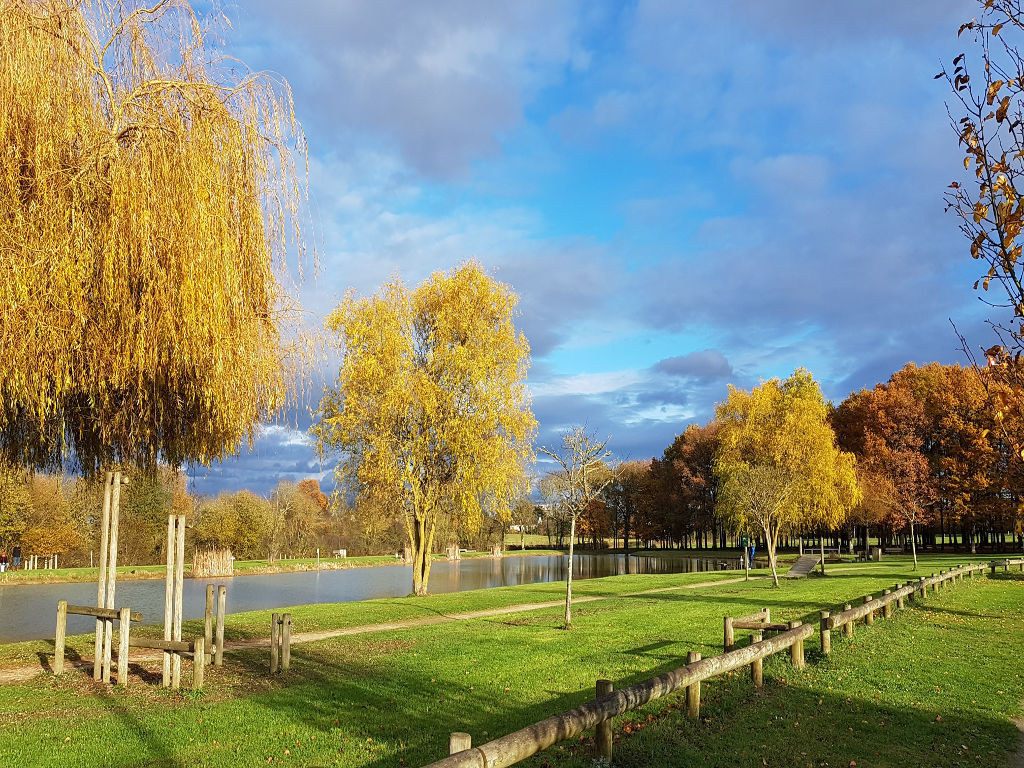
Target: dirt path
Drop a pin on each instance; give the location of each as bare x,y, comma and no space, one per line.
27,672
1017,758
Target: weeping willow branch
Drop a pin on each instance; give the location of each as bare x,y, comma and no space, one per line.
148,200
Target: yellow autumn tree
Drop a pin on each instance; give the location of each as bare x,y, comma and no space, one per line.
778,466
430,410
148,194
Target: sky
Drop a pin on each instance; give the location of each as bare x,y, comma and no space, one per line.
683,195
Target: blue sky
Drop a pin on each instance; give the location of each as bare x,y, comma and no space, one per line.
684,195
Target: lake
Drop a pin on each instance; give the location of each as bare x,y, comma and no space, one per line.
28,612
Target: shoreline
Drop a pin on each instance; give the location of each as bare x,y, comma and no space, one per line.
85,575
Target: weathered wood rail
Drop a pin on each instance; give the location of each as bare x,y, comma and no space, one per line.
1019,562
517,746
598,712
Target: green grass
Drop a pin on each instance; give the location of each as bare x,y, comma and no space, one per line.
935,685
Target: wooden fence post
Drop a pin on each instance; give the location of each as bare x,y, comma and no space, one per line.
198,663
887,608
458,742
728,635
899,600
222,598
101,586
179,588
757,666
124,623
286,642
826,634
796,650
922,590
693,690
603,734
208,626
869,619
58,640
275,640
168,599
848,626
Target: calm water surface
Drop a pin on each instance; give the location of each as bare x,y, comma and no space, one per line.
28,612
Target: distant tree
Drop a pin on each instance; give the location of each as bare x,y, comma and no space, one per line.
583,476
777,465
524,515
430,406
15,504
629,496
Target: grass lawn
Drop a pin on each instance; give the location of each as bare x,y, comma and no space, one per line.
936,685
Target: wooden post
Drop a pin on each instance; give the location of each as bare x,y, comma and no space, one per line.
922,590
728,637
900,600
208,626
693,691
58,640
992,565
275,640
198,663
935,585
458,742
887,608
222,596
124,624
870,618
179,585
796,650
848,626
168,599
286,642
826,634
757,666
603,733
108,629
101,587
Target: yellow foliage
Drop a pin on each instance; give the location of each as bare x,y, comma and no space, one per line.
431,408
778,464
146,200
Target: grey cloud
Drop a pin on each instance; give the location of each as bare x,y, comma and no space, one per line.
442,81
705,364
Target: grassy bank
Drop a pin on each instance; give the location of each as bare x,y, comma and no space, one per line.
936,685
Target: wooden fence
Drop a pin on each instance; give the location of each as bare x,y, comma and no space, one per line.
607,704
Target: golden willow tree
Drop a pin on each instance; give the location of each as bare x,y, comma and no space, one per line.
430,411
147,197
778,466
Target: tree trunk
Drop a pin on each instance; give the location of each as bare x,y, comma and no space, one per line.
822,550
625,541
770,542
568,579
913,542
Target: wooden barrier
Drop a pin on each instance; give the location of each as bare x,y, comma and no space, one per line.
125,616
196,647
757,621
871,605
516,746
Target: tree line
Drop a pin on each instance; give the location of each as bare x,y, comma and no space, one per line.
932,463
55,514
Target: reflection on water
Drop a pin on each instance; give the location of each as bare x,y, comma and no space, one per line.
28,612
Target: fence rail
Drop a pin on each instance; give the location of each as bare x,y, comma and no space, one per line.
516,746
597,713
